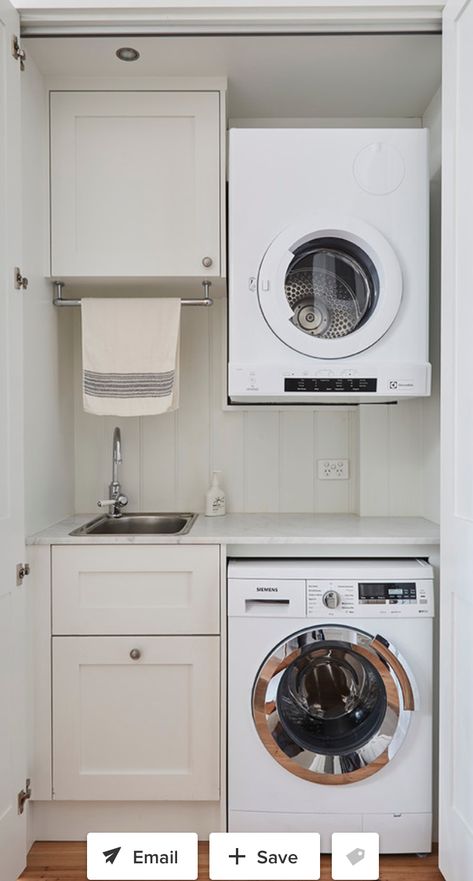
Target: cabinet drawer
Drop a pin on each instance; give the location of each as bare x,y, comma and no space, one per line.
136,729
146,590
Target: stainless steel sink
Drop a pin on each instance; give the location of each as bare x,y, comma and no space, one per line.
138,524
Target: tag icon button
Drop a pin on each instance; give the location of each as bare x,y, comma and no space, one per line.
355,856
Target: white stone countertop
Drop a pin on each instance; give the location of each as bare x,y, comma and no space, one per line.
264,529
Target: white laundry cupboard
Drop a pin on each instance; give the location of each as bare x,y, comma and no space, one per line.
135,183
73,204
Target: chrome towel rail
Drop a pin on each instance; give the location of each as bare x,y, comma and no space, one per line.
59,300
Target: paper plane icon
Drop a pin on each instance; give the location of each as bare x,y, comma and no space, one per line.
111,855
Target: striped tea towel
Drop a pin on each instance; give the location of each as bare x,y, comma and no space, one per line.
130,355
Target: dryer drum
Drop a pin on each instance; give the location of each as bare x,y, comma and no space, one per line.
332,287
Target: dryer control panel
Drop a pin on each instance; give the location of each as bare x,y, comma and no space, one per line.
307,382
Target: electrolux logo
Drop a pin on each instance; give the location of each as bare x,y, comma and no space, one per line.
267,589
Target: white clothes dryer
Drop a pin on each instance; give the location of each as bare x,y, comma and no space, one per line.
328,264
330,699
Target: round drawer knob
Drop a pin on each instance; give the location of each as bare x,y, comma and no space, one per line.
135,654
207,261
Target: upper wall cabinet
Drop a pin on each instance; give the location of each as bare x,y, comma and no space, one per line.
136,183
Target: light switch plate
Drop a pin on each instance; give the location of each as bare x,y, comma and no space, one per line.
333,469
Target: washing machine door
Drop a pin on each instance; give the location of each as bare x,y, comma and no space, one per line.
332,704
330,289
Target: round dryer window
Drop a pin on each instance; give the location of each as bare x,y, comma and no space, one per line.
332,705
331,292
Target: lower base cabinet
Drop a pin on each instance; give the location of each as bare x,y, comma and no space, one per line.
136,718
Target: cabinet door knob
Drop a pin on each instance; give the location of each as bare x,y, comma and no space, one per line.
207,261
135,654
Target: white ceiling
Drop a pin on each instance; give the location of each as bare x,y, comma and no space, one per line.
273,76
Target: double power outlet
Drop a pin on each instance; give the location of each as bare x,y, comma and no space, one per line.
332,469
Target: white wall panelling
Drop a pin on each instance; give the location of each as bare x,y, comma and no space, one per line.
268,458
391,449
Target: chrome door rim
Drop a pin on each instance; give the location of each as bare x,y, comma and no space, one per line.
370,757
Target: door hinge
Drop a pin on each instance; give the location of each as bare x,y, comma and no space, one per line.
21,282
24,795
22,570
18,53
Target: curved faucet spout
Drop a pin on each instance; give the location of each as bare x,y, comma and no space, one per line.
117,445
117,454
117,499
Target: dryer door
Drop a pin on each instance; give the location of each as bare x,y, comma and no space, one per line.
332,704
330,290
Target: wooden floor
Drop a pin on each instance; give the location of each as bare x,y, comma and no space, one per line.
65,861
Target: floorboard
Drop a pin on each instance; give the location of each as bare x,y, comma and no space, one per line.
66,861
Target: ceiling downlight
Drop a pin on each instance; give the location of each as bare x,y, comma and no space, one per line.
127,53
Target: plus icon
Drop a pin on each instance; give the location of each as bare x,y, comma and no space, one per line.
237,856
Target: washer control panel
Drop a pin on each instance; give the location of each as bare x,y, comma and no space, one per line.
369,598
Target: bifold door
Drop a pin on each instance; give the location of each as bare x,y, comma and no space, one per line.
456,658
12,597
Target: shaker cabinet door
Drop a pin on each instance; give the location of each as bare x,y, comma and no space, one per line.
135,183
136,718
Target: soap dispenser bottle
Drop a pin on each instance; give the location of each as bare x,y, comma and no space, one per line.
215,498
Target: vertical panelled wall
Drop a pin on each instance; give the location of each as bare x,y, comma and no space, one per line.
268,457
391,459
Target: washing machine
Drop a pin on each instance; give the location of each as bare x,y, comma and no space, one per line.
330,699
328,265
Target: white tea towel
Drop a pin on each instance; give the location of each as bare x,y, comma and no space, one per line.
130,355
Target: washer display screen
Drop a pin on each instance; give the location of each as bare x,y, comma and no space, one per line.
382,593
